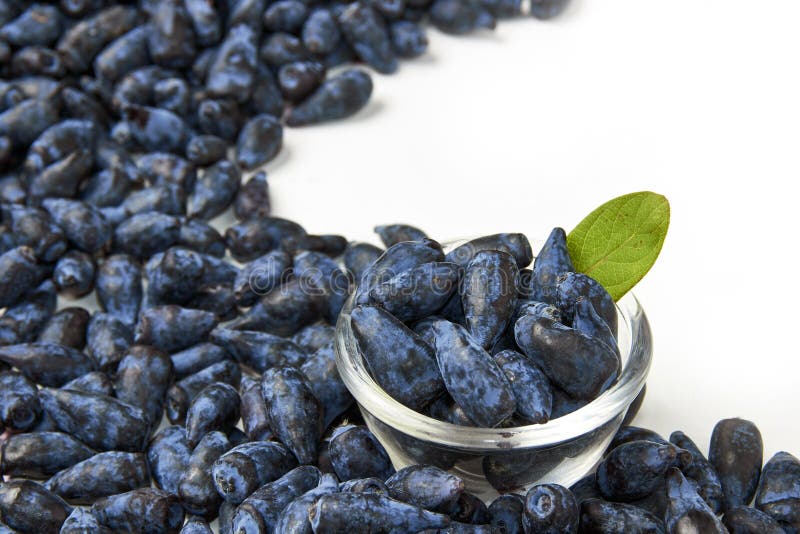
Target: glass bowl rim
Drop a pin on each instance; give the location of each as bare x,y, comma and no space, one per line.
611,403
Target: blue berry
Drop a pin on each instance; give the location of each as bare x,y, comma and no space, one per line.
736,452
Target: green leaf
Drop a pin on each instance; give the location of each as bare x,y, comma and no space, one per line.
618,242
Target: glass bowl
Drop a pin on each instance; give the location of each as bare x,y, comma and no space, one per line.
499,460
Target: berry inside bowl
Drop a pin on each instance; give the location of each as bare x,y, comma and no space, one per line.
499,460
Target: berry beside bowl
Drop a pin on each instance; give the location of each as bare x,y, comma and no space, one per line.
493,461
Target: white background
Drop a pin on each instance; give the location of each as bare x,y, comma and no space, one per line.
534,125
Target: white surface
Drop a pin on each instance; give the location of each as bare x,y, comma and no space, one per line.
534,125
